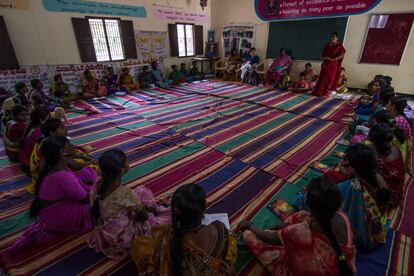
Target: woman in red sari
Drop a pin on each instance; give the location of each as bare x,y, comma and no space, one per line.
332,57
315,243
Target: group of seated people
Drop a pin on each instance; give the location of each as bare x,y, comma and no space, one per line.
347,208
277,74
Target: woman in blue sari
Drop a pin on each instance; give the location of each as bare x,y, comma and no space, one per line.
366,197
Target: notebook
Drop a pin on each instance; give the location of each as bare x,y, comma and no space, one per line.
223,217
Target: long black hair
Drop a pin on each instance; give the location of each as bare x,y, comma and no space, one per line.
400,103
187,210
381,136
51,124
111,163
51,151
324,200
362,159
36,117
385,117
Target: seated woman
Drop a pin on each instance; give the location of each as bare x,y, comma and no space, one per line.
38,97
59,194
233,61
110,80
175,76
342,82
60,91
251,60
187,247
14,132
311,76
118,212
20,96
91,87
193,73
318,242
56,128
279,64
390,161
183,70
31,135
156,76
365,197
126,81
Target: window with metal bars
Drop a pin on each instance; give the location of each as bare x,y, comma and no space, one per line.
185,38
107,40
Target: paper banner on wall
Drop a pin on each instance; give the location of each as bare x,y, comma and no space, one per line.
179,15
151,45
71,73
89,7
272,10
14,4
8,78
238,36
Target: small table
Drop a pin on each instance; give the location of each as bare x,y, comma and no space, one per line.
203,59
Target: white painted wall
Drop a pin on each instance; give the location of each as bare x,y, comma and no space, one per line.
228,11
42,37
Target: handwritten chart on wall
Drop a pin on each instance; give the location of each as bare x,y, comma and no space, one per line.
387,38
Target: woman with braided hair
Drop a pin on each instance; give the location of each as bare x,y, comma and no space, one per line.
120,213
61,200
318,242
186,247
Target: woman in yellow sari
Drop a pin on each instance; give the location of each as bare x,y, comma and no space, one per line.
187,247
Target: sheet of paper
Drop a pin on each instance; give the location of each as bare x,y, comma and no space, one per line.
223,217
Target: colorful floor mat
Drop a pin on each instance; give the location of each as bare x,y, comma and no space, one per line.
244,145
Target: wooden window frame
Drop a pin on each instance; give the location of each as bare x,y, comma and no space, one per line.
106,36
185,39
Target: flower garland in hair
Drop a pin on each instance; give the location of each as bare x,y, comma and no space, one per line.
203,3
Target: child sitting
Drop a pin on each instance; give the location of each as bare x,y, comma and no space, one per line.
14,132
156,76
302,85
175,76
60,91
284,80
143,78
90,86
59,114
21,92
126,82
38,97
183,70
342,82
194,74
120,213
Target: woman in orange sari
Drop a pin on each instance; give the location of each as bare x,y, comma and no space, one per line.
332,57
315,243
187,247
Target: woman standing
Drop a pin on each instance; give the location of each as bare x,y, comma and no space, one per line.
332,57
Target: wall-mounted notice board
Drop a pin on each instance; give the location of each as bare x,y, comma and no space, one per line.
387,38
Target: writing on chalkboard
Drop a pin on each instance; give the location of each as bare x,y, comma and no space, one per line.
396,28
271,10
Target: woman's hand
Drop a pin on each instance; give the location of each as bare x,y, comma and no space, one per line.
244,225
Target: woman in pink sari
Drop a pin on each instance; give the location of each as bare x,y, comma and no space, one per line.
315,243
61,202
118,212
279,64
31,135
332,57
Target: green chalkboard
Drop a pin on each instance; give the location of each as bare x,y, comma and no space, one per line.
303,39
